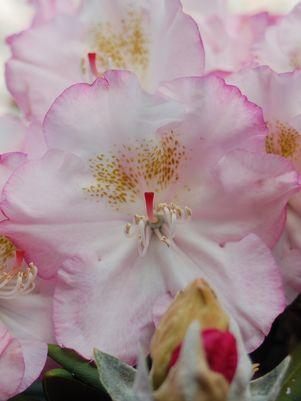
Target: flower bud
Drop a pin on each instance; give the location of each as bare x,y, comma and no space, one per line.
196,303
191,378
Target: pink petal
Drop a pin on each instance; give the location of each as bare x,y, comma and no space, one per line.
47,9
12,365
277,94
108,304
91,292
265,183
63,222
14,314
8,164
280,46
228,38
87,119
219,118
288,255
12,134
35,355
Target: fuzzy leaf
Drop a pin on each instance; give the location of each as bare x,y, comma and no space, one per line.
267,387
291,386
116,377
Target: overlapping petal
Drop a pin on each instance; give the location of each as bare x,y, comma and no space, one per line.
208,133
279,47
153,38
239,272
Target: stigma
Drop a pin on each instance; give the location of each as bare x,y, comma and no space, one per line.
17,280
160,221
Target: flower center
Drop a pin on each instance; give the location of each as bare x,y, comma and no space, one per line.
15,279
160,221
123,48
122,175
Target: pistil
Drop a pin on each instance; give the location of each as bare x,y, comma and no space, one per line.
160,221
149,203
92,62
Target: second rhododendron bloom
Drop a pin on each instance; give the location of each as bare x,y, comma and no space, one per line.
143,193
279,97
25,321
152,38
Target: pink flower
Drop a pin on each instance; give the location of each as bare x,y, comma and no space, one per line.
158,190
25,324
227,38
280,47
279,97
153,38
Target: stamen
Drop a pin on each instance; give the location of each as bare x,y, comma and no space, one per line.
162,223
128,229
92,62
162,237
17,280
149,202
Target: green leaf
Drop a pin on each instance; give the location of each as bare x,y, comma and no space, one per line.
77,366
60,385
291,387
267,387
116,377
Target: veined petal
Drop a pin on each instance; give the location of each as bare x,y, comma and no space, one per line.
89,119
12,134
12,365
280,46
277,94
35,355
218,118
14,314
238,272
119,293
60,217
265,183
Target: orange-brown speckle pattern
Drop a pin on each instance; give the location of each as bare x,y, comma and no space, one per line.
148,163
7,249
283,140
126,48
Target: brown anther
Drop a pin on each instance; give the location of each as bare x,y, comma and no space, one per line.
188,212
138,218
127,228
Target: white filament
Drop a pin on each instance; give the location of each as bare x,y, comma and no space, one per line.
165,232
17,281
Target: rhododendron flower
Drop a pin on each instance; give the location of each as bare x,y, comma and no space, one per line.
25,322
227,38
153,38
280,47
279,97
158,190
